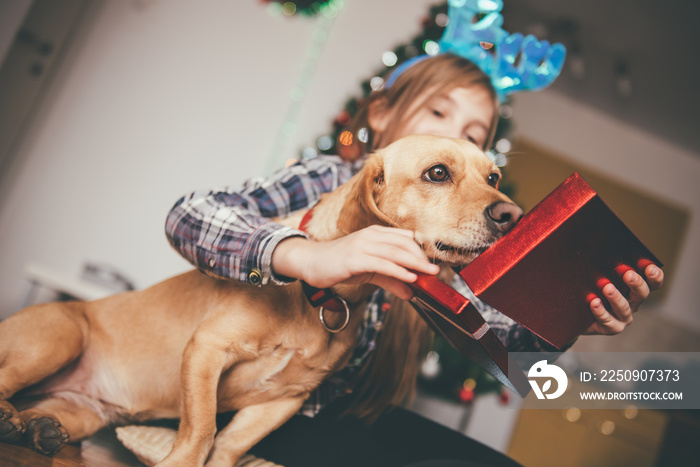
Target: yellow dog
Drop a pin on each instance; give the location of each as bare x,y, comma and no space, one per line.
192,346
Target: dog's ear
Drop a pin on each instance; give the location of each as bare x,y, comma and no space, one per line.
360,209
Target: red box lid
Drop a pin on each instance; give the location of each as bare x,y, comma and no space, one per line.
542,274
455,319
545,271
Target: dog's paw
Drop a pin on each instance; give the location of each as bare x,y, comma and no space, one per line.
46,435
11,425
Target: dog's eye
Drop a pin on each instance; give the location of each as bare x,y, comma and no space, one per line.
437,173
493,179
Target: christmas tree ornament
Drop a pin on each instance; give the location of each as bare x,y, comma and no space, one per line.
466,393
343,118
504,397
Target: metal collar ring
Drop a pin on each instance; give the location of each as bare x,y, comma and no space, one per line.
344,325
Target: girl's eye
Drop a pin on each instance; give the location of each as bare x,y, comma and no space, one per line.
437,113
437,173
493,179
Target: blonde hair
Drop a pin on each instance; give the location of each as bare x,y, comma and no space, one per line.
389,375
416,85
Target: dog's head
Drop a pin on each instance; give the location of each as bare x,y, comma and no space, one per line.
443,189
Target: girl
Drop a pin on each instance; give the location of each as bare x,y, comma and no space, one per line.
228,234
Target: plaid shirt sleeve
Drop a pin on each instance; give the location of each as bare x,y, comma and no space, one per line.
227,233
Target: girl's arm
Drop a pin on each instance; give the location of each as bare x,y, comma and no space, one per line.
228,234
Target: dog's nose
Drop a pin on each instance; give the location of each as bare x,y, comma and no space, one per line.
503,216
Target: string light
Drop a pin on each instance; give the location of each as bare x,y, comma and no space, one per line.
503,145
442,20
376,83
389,58
363,135
345,138
324,143
431,47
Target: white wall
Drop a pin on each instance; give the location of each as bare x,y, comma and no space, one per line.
161,98
633,157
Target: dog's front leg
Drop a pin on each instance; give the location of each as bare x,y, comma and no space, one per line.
204,359
250,425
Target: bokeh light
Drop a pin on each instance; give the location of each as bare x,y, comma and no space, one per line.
442,20
505,111
431,47
389,58
469,384
573,414
363,135
345,138
607,427
324,143
309,153
274,9
289,8
503,145
631,412
376,83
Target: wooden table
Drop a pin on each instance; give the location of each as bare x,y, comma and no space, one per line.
101,450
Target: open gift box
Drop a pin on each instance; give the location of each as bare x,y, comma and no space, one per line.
542,274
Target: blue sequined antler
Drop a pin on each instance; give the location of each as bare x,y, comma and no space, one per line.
514,63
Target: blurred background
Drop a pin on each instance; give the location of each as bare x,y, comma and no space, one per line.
111,110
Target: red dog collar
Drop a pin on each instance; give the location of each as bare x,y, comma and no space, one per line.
326,299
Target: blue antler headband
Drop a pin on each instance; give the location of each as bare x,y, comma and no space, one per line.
513,62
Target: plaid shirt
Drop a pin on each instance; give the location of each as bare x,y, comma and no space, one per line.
227,233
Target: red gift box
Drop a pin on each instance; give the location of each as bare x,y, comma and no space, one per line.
542,274
455,319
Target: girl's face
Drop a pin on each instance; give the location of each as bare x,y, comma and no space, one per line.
465,113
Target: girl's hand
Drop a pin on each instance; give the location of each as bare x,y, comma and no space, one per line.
383,256
614,321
